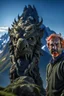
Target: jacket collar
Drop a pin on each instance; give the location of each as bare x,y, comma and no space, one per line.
57,59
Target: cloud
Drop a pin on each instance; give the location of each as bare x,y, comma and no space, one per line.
4,29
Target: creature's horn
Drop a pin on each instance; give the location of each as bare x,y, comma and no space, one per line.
9,30
40,22
15,20
12,25
18,17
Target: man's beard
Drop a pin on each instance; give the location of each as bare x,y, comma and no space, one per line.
55,53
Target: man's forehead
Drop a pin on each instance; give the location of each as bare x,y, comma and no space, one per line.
55,40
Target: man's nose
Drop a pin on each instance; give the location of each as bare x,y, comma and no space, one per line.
55,47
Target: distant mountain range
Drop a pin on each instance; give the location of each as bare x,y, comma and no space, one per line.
5,59
3,41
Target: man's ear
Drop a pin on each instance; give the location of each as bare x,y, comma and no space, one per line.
62,44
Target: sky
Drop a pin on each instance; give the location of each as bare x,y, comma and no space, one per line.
52,12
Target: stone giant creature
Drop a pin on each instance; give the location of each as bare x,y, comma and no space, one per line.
25,46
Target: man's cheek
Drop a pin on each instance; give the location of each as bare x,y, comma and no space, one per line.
60,50
50,51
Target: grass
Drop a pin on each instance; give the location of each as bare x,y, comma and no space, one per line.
2,93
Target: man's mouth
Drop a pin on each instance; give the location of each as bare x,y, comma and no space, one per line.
54,51
55,54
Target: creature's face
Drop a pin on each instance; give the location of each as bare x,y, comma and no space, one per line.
55,47
23,45
24,37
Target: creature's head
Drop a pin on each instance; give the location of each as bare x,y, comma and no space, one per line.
25,34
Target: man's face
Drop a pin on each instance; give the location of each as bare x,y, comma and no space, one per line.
55,47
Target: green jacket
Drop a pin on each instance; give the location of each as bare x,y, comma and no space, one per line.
55,77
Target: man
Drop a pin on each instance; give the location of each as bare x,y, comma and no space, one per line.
55,69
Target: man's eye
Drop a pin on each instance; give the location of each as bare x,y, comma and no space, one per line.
52,44
57,44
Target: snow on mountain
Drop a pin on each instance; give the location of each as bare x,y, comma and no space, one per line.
3,41
47,32
44,47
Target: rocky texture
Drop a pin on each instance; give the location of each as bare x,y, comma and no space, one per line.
25,50
22,86
4,93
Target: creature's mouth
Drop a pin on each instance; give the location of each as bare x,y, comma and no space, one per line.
26,53
28,56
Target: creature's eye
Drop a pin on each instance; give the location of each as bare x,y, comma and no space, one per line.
31,38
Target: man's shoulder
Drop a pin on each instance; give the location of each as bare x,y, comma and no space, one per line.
62,60
48,68
62,63
48,65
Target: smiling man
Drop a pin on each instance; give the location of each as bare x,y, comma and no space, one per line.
55,69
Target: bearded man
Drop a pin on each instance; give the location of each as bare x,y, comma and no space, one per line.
55,68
